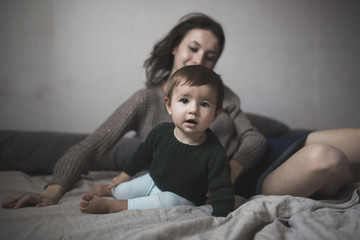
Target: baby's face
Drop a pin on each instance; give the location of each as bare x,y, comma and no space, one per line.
193,108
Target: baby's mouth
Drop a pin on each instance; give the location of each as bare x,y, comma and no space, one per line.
191,121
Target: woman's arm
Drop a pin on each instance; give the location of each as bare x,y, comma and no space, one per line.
236,170
252,143
79,158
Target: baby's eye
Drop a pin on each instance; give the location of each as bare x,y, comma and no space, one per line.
184,100
205,104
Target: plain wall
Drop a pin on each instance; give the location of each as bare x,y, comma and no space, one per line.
67,65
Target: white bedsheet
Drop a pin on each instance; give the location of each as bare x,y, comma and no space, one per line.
261,217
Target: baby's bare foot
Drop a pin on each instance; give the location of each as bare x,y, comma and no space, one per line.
94,204
101,190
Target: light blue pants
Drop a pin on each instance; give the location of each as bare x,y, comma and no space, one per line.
142,193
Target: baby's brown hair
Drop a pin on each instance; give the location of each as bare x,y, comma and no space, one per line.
197,75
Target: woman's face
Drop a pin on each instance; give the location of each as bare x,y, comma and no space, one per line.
198,47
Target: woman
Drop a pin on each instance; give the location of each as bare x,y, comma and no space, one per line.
195,40
304,165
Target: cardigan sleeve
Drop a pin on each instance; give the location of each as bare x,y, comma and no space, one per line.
78,159
142,156
252,142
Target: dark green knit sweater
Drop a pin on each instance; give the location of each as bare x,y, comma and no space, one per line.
186,170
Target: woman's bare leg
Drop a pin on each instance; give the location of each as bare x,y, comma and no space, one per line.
322,166
93,204
347,140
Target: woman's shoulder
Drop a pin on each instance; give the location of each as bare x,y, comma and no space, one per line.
143,92
154,92
147,95
230,96
231,101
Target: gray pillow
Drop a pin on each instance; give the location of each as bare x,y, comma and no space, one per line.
37,152
269,127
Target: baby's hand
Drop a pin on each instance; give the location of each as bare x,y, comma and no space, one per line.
208,196
123,177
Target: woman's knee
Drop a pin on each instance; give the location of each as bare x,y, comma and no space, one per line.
325,158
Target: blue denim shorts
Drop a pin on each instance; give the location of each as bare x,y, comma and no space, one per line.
277,152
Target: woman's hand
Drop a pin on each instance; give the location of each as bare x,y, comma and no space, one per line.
123,177
49,196
236,170
208,197
20,201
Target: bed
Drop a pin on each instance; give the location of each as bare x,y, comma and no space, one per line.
27,159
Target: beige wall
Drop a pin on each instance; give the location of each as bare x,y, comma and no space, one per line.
66,65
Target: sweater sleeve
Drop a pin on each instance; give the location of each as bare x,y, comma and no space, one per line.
142,156
79,158
220,186
252,142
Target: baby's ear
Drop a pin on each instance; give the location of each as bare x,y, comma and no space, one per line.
168,104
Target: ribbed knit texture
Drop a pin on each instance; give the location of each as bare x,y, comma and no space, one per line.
186,170
140,113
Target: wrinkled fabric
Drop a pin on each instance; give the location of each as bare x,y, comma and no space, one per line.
261,217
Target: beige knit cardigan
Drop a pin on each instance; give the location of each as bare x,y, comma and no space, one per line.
140,113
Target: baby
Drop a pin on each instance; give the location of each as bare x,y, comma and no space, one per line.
186,157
